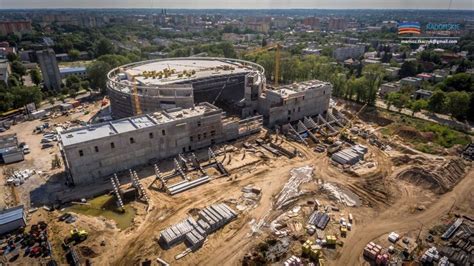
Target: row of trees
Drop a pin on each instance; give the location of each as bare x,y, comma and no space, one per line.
455,103
18,96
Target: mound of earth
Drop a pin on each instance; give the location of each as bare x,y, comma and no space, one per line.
408,132
405,159
374,117
441,179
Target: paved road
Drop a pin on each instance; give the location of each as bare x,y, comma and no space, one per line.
437,118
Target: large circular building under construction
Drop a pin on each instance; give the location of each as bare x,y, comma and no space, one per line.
149,86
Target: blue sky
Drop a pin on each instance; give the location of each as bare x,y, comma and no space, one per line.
241,4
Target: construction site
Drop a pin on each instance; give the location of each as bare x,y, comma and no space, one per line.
299,178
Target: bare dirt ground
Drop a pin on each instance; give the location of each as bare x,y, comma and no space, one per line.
388,203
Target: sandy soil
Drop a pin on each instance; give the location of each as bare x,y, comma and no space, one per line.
388,204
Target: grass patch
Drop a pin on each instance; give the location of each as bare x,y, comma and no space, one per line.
428,137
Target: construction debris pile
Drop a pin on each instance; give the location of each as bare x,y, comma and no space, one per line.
250,196
458,245
441,179
193,232
19,177
341,195
468,152
291,191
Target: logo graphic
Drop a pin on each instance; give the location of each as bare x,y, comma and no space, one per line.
409,28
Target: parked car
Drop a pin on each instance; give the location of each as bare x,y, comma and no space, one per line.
26,149
2,129
47,145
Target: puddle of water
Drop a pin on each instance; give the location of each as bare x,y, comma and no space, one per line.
105,206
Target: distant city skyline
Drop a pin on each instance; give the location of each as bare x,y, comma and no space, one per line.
241,4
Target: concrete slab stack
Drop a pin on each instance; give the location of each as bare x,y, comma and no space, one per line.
193,232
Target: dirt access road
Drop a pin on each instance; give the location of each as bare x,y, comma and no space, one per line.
386,222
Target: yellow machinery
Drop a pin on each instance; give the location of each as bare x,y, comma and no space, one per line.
138,109
277,48
349,123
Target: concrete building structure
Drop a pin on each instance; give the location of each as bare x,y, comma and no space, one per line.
337,24
348,51
231,84
49,69
422,94
5,71
7,27
411,81
12,219
293,102
96,151
389,87
65,72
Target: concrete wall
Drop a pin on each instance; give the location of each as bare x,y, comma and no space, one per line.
310,102
168,140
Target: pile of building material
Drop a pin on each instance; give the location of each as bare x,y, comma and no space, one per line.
291,191
393,237
431,255
447,235
350,156
19,177
458,249
468,152
250,196
185,185
373,251
293,261
319,219
193,232
341,195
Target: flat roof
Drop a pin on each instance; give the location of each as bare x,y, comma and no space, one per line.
10,215
102,130
287,90
203,68
72,69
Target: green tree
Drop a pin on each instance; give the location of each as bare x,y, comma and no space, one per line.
437,102
458,103
18,68
408,69
104,46
24,95
74,54
391,98
85,85
114,60
373,75
460,82
12,57
35,76
97,73
13,81
339,82
73,79
418,105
